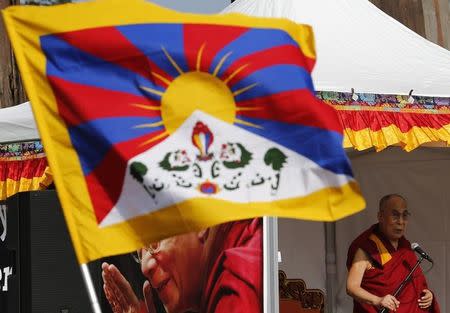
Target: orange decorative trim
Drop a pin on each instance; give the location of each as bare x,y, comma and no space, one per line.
392,135
10,187
391,109
377,120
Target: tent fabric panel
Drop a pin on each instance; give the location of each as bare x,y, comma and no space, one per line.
17,124
302,250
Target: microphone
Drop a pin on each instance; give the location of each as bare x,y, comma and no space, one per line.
415,246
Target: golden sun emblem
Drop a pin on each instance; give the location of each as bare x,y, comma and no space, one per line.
195,90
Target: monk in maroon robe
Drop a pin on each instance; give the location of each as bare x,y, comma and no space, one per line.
380,259
210,271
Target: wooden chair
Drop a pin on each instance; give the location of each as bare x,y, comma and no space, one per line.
296,298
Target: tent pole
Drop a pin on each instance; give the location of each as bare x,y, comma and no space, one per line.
90,288
270,268
331,267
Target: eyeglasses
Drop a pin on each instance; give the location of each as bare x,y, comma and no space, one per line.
397,215
151,249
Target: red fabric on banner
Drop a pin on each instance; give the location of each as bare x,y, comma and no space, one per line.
385,279
235,278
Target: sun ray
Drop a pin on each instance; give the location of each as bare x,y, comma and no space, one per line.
242,90
164,134
242,122
235,73
224,58
151,90
172,61
248,108
146,107
149,125
199,57
162,78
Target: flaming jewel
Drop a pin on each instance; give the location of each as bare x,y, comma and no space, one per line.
202,138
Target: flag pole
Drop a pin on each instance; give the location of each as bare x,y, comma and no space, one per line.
90,288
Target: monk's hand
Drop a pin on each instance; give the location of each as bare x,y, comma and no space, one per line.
118,290
426,299
148,297
390,302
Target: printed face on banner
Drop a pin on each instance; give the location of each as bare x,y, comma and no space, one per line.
194,272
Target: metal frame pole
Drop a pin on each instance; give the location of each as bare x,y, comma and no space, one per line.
90,288
270,255
331,267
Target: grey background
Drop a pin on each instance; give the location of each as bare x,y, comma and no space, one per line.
195,6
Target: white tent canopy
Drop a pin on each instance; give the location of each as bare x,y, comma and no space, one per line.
359,46
17,124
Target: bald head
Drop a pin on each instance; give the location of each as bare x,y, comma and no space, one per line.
384,201
393,217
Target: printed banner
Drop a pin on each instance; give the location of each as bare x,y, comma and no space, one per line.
212,270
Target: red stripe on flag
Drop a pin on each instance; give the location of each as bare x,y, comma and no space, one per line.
81,103
197,35
375,120
106,180
294,107
286,54
310,62
111,45
16,170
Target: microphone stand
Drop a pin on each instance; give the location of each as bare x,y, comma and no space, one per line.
403,284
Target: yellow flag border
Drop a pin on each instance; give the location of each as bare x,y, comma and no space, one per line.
25,25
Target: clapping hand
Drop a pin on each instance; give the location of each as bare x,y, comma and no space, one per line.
118,291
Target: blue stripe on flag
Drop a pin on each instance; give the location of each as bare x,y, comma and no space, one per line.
289,77
150,40
320,146
93,140
70,63
252,41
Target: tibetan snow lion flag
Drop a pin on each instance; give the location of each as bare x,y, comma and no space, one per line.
156,122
